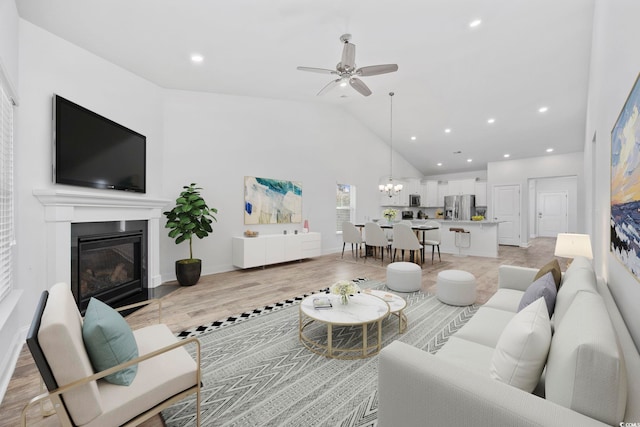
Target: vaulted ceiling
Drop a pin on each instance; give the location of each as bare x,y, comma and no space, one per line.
522,56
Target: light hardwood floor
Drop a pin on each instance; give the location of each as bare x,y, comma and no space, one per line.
218,296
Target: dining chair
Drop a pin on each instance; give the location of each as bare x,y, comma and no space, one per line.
350,234
432,238
405,239
375,237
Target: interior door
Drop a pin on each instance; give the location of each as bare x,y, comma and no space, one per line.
506,209
552,213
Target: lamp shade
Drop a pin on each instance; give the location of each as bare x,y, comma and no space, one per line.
570,245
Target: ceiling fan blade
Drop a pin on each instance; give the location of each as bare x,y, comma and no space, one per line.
329,86
359,85
318,70
348,56
377,69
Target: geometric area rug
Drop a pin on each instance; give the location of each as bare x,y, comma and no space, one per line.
255,371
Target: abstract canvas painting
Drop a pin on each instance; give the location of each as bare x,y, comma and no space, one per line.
272,201
625,184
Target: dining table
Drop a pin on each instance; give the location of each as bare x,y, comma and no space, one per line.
416,227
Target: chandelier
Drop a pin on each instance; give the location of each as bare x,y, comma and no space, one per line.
389,188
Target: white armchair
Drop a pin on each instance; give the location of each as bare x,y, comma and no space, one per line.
166,372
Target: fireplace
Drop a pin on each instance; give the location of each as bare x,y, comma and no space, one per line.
67,213
108,262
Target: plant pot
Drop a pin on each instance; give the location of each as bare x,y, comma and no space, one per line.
188,271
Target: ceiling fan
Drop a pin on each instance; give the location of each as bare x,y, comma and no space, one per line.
348,73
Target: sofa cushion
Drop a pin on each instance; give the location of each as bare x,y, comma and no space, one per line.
585,369
485,326
544,287
552,267
522,349
467,354
576,280
505,299
148,389
109,341
61,335
578,263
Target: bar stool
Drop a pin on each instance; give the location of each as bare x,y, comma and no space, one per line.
460,236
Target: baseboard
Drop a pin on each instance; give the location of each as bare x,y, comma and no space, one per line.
12,338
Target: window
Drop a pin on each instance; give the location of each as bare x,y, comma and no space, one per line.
7,240
345,205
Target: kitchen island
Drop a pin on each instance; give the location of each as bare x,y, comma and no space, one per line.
479,239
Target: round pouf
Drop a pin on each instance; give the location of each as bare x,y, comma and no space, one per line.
456,287
404,277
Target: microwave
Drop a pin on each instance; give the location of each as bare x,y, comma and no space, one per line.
414,200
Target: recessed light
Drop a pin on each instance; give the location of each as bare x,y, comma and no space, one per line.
505,155
469,160
413,138
549,150
491,121
439,164
475,23
447,130
197,58
543,109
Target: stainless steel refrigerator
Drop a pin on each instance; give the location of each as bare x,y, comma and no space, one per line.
461,207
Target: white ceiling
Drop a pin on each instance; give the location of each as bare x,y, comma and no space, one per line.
525,54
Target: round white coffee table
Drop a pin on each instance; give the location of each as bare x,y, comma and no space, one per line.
397,305
362,310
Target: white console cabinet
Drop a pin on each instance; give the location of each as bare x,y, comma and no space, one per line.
274,248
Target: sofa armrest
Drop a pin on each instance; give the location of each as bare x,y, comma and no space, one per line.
514,277
416,388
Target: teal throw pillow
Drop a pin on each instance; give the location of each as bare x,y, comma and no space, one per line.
109,341
544,287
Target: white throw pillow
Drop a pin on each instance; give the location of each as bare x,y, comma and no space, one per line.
523,346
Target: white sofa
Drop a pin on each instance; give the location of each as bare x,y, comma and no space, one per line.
591,376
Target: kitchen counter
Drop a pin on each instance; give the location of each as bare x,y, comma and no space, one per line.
481,239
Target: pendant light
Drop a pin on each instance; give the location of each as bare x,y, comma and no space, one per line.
390,189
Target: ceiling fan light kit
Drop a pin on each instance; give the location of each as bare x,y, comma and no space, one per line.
347,71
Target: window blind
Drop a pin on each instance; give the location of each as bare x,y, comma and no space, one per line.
7,235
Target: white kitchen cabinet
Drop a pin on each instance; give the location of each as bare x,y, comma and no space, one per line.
275,248
430,195
461,186
443,190
481,193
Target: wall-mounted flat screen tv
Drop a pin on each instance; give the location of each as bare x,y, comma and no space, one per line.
93,151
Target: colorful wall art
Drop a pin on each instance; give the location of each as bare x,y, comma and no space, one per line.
625,184
272,201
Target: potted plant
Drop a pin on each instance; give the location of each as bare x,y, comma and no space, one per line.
190,217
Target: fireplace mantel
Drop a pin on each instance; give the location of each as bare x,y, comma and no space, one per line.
63,207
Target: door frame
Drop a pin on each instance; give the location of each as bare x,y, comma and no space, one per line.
518,223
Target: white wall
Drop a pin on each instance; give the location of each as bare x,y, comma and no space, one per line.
520,171
11,331
9,40
51,65
615,64
216,140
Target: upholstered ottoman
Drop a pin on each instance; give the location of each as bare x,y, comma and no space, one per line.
404,276
456,287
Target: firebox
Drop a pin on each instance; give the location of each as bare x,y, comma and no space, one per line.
108,266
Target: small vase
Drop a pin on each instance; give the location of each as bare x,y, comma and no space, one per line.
344,299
